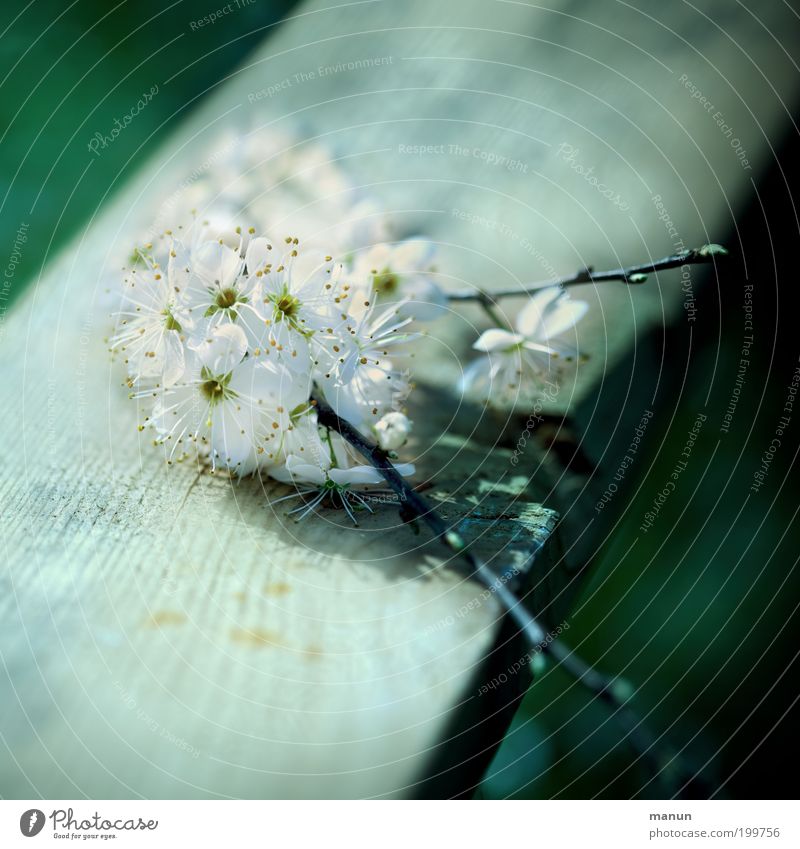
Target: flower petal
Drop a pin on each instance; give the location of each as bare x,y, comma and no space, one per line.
298,469
216,264
260,251
564,314
232,437
476,376
497,339
355,475
223,350
174,362
413,253
531,319
426,300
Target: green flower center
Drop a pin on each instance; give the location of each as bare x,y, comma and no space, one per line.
170,322
299,411
214,388
385,282
225,299
286,307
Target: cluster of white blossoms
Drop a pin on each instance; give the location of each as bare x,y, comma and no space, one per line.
230,334
284,186
226,349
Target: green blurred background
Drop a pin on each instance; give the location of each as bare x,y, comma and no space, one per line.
701,615
704,607
69,70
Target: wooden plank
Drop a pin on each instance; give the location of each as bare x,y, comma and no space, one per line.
169,635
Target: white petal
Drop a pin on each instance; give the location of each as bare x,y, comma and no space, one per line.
531,318
426,301
301,470
260,251
291,347
258,383
309,272
174,359
223,350
355,475
179,268
348,370
476,376
565,314
538,360
377,257
535,346
232,436
412,255
392,431
345,404
497,340
216,264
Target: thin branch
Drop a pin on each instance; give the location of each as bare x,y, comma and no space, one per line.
614,692
633,275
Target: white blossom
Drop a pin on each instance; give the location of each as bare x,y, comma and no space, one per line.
355,367
153,321
333,475
236,406
517,362
392,431
402,273
299,295
548,314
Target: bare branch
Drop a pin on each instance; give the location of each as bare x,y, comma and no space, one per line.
632,275
662,762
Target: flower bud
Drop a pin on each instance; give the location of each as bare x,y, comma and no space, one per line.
392,431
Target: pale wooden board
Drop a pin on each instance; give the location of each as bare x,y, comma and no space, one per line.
164,635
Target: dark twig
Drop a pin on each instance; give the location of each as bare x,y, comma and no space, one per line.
615,692
632,275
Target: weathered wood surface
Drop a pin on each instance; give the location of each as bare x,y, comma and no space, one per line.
165,634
